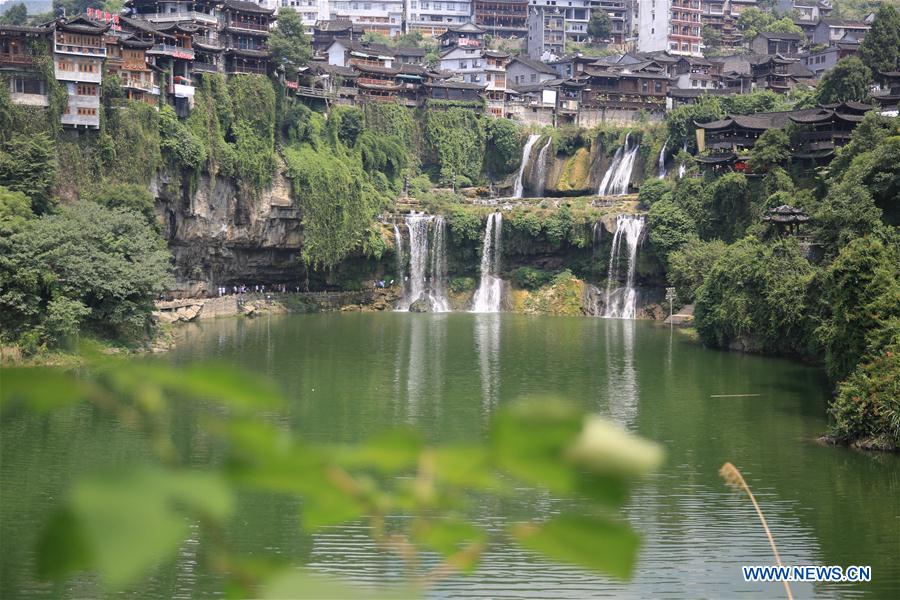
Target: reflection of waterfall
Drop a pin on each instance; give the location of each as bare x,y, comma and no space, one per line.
661,170
487,345
519,189
620,302
621,375
541,166
618,176
488,295
427,262
682,167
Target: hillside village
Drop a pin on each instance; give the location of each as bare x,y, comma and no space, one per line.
652,61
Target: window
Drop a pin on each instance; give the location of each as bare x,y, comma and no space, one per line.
533,77
28,86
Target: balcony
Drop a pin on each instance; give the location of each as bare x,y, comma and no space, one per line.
186,15
137,84
173,51
76,75
8,58
205,67
245,70
79,50
29,99
248,26
76,120
181,91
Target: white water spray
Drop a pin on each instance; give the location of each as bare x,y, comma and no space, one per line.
621,301
682,167
618,176
661,170
427,262
541,166
519,188
490,289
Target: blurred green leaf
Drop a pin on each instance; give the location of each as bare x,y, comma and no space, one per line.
466,466
604,448
391,452
301,583
131,521
592,542
219,383
529,440
446,535
62,548
40,389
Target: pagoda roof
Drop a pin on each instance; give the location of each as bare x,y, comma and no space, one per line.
464,28
144,26
242,6
363,68
457,85
248,53
81,24
717,159
786,214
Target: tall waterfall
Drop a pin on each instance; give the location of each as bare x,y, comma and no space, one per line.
681,167
427,262
490,289
541,166
620,301
519,189
618,175
661,170
401,262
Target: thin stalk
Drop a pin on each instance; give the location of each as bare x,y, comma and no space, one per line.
732,476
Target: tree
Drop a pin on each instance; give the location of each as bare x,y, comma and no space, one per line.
653,191
681,121
753,20
17,14
376,37
600,25
848,80
783,25
689,264
504,146
129,196
670,228
772,149
108,261
728,209
712,37
28,164
754,298
288,42
880,50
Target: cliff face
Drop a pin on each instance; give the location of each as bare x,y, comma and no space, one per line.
220,234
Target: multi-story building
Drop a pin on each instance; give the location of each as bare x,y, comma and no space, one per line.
78,55
546,38
522,71
245,34
619,15
495,64
467,34
501,17
769,42
310,11
17,63
466,62
380,16
672,25
433,17
576,13
832,31
126,57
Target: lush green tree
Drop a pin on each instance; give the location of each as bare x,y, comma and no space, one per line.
754,102
776,180
136,198
376,37
288,42
752,20
848,80
28,164
504,146
871,131
754,298
783,25
652,191
600,25
712,37
692,196
689,264
772,149
859,298
16,14
681,121
880,50
670,227
84,258
350,125
867,407
729,208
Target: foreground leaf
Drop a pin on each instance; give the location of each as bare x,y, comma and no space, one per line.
592,542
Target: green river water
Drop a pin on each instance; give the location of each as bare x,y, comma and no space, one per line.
350,375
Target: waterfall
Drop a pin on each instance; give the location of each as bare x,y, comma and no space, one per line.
490,289
427,263
661,170
681,167
618,176
620,301
541,166
439,302
398,248
526,153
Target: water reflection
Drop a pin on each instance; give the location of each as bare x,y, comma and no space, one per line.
621,376
487,346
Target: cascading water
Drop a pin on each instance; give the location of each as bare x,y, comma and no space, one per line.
661,170
490,289
398,247
427,263
541,166
618,176
519,188
682,168
620,301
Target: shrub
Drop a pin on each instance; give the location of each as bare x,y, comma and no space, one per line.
652,191
529,278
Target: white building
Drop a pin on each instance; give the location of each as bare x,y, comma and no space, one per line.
672,25
432,18
381,16
310,10
466,62
577,14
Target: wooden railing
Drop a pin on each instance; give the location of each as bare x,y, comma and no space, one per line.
16,59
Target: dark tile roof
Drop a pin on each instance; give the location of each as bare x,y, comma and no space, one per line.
466,28
241,5
535,65
459,85
409,51
776,35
